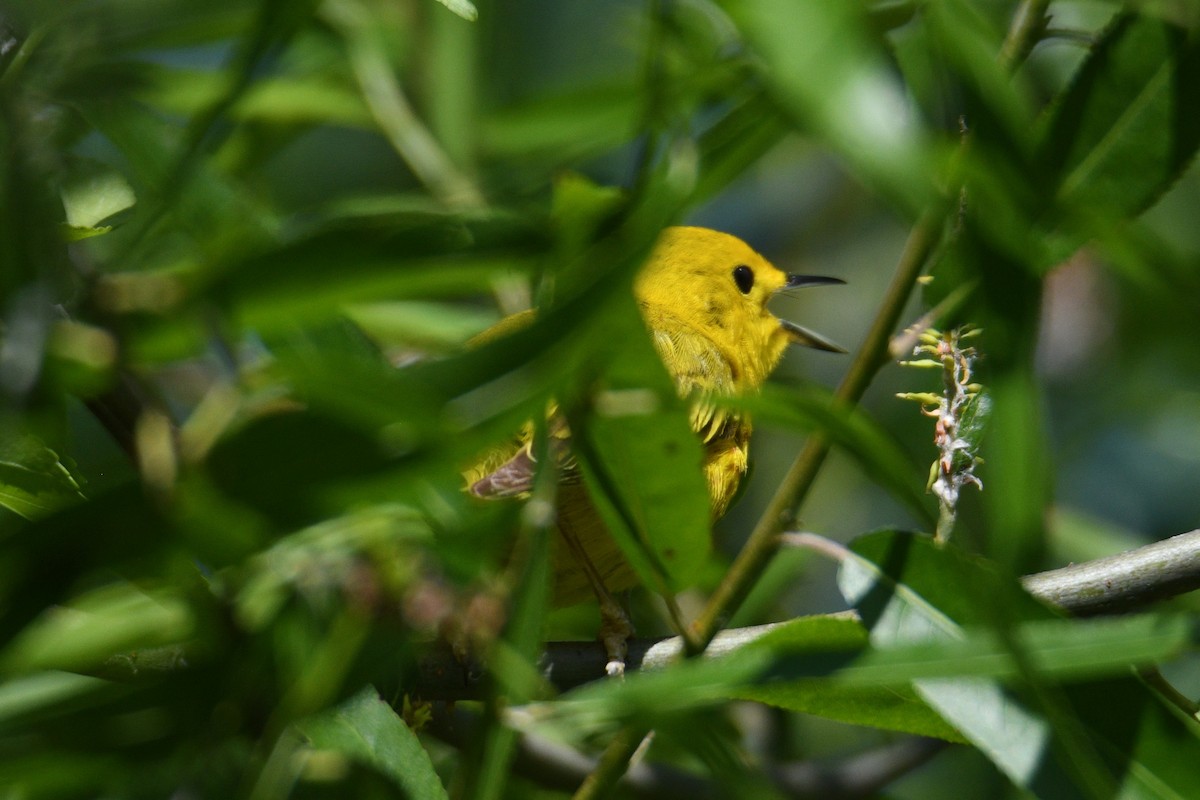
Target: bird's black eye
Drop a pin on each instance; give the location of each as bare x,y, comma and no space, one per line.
743,276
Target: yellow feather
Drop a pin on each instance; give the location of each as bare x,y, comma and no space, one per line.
703,296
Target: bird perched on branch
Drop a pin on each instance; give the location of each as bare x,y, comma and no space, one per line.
703,296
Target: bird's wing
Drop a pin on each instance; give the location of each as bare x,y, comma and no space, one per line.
700,371
508,471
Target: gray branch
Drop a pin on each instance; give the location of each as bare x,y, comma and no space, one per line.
1104,586
1125,581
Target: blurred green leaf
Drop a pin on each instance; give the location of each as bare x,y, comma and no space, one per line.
642,462
93,194
570,124
55,773
579,209
416,255
367,731
463,8
33,480
97,626
41,692
996,107
419,325
77,233
1125,129
856,107
284,100
117,532
738,139
287,464
325,559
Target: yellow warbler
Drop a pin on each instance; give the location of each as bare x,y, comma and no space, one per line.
703,296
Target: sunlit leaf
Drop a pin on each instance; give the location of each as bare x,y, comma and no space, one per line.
101,625
95,194
463,8
45,692
33,480
367,731
910,591
886,704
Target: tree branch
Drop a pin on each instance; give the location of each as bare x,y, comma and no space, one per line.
1111,585
1108,585
1124,581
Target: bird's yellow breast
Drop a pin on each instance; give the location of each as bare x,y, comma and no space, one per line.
703,297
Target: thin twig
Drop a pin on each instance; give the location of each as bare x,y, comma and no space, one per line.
1028,26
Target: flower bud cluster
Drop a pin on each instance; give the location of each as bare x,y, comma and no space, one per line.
957,413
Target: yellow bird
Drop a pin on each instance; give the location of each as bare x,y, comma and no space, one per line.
703,295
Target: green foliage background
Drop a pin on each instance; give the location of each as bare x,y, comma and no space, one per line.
242,246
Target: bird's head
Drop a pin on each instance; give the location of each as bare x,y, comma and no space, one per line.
717,286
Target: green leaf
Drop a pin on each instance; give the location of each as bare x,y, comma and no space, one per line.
97,626
996,109
643,463
883,703
93,193
910,592
463,8
1125,129
796,665
45,692
735,141
404,256
366,730
828,72
873,688
283,100
568,125
77,233
420,325
876,578
1152,747
33,480
336,549
286,464
1066,650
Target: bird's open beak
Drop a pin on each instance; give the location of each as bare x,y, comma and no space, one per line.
801,335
